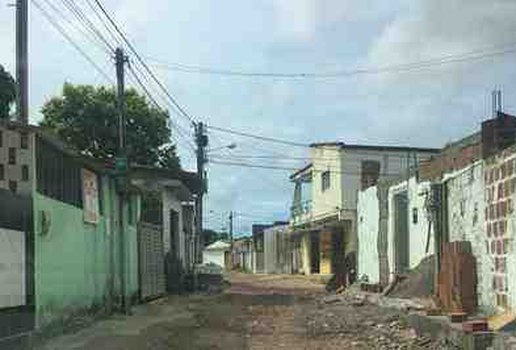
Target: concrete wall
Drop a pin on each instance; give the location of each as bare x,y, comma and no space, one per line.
305,253
418,231
214,257
12,273
326,202
277,250
466,222
368,213
77,263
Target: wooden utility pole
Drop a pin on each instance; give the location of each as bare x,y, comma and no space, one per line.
231,245
121,170
201,140
22,80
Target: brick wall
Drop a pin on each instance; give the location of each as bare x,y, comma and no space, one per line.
454,156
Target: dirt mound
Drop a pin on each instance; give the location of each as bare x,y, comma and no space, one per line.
418,282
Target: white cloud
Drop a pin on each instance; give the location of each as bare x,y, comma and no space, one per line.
301,19
435,28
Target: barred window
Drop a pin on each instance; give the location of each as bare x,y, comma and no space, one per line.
58,175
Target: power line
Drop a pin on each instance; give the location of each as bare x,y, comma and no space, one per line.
79,14
469,56
142,62
56,26
273,167
103,22
262,138
60,14
149,95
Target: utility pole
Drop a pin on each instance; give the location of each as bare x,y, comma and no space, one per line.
121,169
22,91
231,238
201,140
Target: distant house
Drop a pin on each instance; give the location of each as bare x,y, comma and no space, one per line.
168,211
217,253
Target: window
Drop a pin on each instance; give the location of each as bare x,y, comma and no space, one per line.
370,173
325,180
24,140
58,175
414,216
25,173
1,139
2,172
13,186
12,155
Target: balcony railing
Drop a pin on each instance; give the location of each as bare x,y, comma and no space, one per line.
301,209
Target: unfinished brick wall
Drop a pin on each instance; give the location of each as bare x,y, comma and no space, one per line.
451,158
500,188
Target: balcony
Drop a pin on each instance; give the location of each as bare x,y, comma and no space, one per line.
301,212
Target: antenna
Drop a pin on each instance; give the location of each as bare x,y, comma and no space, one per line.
496,102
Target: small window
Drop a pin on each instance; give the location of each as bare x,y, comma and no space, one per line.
13,186
25,173
12,155
1,139
325,180
414,216
2,172
24,140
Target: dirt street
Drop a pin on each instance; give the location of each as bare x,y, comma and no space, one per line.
256,312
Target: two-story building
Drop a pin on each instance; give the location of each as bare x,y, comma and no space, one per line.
323,214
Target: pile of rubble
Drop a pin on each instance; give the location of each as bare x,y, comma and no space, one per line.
367,321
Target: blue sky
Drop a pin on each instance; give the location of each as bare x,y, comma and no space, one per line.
426,107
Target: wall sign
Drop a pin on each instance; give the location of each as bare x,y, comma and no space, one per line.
90,196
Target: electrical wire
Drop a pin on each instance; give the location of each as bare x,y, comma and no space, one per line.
103,22
258,137
79,28
273,167
81,17
174,102
149,95
416,65
60,29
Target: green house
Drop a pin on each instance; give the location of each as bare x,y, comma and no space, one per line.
71,251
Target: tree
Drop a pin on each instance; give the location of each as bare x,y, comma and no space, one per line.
86,118
7,92
211,236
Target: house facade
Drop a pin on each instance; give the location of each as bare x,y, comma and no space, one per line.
324,210
68,238
61,214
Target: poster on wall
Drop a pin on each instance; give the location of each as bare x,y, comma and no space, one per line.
90,196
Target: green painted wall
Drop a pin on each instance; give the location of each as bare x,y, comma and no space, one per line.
76,263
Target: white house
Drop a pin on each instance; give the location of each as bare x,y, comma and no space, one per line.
216,253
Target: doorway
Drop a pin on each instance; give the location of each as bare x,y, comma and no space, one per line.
401,233
315,252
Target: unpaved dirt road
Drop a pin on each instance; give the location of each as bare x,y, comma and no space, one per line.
257,312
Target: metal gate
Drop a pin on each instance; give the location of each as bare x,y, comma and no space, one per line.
16,265
151,261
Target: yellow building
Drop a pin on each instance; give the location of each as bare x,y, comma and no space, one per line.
323,214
